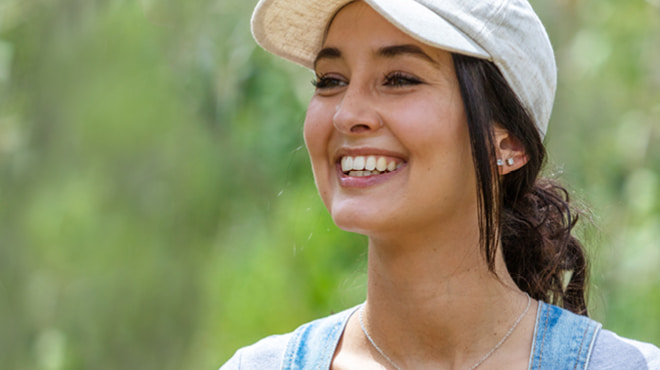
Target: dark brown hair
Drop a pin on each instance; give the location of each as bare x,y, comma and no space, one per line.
531,215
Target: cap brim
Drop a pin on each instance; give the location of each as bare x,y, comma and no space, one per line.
425,25
294,29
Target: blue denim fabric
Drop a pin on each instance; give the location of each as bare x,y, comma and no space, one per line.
562,341
313,345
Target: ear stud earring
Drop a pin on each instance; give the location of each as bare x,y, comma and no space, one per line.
509,161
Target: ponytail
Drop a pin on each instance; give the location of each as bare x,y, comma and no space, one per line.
530,216
542,256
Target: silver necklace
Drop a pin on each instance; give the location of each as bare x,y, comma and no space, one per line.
486,356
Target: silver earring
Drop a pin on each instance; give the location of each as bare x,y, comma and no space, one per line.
500,162
510,161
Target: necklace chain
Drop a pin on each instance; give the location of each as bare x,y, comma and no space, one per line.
484,358
366,334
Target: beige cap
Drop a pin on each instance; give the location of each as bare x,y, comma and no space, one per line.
507,32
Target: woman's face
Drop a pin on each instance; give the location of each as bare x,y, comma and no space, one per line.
386,130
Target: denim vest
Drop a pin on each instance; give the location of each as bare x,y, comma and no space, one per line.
562,340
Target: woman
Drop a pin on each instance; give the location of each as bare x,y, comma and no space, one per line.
425,134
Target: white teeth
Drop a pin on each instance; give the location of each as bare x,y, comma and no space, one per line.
346,164
358,163
381,164
371,163
366,166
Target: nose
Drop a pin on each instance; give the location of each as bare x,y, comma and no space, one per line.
356,113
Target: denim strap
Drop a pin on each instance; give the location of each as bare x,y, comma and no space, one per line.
313,345
562,339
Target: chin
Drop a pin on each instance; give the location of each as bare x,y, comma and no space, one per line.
349,225
358,219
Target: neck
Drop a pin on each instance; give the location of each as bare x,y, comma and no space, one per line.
438,303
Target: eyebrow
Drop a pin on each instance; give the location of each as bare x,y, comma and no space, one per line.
410,49
386,52
327,53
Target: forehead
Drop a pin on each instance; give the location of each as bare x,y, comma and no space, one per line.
358,17
359,27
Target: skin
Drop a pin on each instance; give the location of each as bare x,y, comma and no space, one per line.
431,301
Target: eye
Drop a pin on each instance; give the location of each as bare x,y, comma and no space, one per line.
400,79
327,82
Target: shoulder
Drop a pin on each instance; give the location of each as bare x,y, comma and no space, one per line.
312,342
564,340
611,351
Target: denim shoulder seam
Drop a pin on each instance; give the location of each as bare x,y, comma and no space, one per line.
536,328
590,334
579,354
329,342
311,344
562,339
545,331
290,351
594,336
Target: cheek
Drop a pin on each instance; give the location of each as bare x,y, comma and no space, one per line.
436,132
317,132
429,128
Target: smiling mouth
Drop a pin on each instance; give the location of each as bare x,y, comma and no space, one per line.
361,166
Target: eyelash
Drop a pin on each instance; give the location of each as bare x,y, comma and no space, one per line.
395,79
399,79
325,82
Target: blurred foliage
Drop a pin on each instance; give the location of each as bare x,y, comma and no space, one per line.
157,207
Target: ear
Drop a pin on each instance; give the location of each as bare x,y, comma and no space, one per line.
509,150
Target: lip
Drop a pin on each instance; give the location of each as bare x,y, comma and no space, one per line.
366,181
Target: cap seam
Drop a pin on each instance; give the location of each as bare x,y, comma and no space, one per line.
489,22
451,22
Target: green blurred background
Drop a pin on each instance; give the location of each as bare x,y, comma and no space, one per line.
157,209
